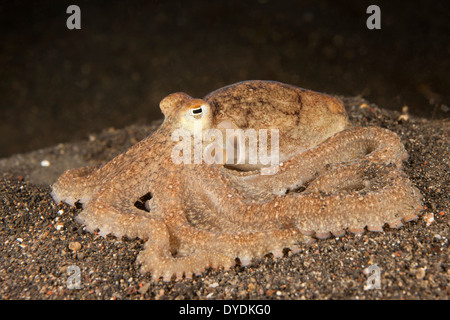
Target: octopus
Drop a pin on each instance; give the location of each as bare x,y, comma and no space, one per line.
332,178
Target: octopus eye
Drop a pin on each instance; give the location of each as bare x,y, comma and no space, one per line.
198,112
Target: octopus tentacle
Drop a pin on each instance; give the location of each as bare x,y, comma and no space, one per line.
198,249
112,213
158,260
374,144
74,185
159,254
243,245
348,196
322,212
192,244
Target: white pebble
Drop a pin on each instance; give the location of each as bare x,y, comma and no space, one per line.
45,163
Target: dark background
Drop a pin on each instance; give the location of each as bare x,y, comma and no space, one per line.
59,85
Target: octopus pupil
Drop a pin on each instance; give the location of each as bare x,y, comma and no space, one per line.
197,111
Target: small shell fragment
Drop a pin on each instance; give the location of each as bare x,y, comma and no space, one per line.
75,246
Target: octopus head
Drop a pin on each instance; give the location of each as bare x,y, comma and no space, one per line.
184,112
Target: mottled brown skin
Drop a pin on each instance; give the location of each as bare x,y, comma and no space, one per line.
334,179
305,118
